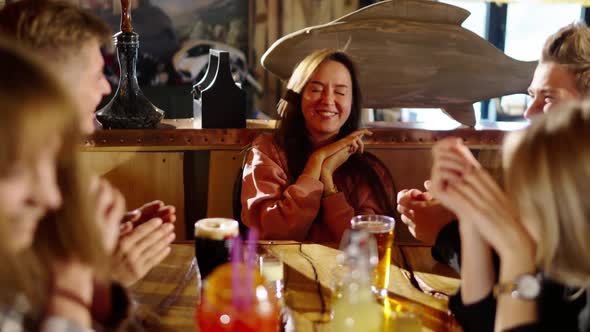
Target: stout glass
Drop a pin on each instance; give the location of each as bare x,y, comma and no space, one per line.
213,237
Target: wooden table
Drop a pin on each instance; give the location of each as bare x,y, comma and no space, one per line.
166,297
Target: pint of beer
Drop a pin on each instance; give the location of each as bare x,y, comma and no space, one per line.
212,242
382,228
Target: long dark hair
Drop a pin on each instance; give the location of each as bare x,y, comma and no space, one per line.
292,135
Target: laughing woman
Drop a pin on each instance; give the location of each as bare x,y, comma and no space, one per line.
311,177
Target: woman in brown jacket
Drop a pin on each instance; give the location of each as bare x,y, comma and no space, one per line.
311,177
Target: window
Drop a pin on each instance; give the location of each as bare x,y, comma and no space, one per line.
527,27
476,22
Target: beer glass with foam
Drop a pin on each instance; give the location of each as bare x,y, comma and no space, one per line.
213,237
382,228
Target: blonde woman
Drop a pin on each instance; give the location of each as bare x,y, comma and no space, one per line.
311,177
69,39
52,246
539,226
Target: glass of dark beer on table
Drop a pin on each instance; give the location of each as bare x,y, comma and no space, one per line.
382,228
213,237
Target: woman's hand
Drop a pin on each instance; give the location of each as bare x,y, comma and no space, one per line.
464,186
484,205
331,164
351,144
348,146
487,217
314,165
450,160
481,201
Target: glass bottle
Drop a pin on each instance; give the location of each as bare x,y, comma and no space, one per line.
355,307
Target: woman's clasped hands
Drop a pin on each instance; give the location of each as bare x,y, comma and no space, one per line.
324,161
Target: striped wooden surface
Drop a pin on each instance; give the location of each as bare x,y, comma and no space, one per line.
181,135
167,296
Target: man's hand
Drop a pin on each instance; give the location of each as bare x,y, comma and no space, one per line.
154,209
424,215
140,250
146,235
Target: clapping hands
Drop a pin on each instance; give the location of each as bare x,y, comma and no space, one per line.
146,235
463,186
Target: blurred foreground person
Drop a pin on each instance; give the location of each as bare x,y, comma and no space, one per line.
53,248
539,226
563,74
69,40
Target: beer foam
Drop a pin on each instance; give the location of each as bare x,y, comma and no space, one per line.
216,228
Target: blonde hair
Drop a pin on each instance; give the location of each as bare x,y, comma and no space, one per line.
570,47
33,106
548,176
56,28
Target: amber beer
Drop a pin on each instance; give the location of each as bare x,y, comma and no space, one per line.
213,243
382,228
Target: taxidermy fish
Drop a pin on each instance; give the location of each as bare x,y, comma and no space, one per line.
411,53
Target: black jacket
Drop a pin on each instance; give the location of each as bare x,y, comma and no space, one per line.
558,309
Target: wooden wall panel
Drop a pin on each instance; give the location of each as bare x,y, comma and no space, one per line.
298,14
410,167
266,31
223,170
143,177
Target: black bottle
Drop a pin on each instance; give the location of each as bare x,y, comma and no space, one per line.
129,108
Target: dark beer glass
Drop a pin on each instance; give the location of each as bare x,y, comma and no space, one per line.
213,237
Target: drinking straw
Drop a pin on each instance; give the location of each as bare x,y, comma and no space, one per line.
236,261
250,261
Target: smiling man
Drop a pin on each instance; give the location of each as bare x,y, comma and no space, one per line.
69,39
563,74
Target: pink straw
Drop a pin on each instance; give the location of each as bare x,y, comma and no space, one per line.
250,262
236,261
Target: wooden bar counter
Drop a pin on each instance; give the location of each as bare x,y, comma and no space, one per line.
180,135
195,169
